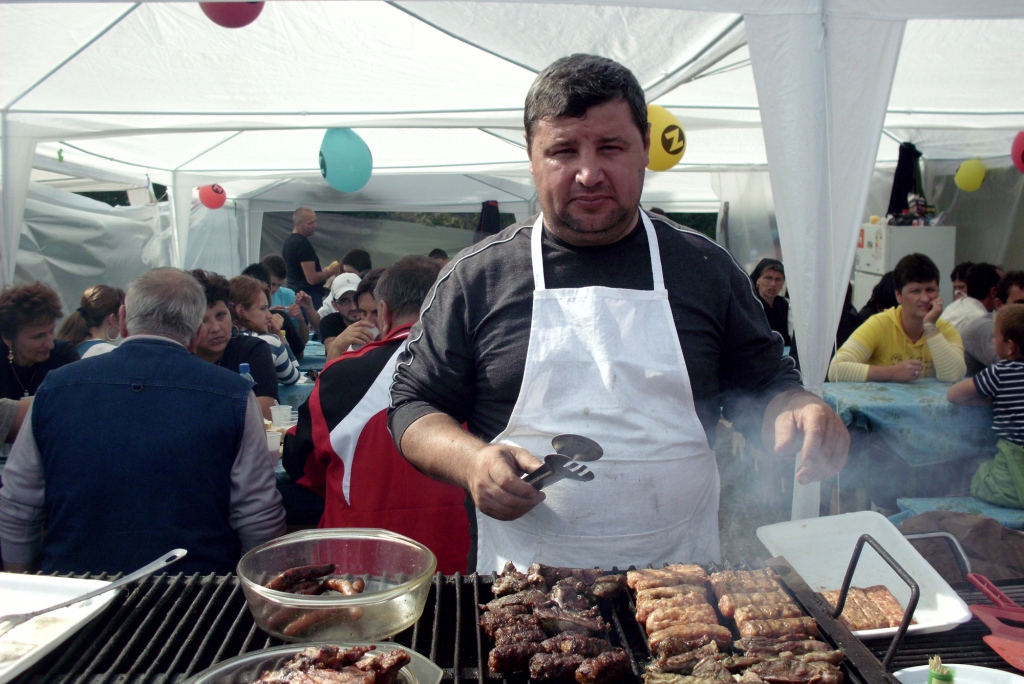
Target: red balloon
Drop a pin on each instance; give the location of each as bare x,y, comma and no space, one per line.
212,196
232,14
1017,152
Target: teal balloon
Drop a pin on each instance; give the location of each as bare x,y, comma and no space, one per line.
345,160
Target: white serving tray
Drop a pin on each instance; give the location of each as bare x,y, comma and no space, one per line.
24,645
820,549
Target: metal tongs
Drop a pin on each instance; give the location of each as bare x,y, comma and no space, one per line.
9,622
565,463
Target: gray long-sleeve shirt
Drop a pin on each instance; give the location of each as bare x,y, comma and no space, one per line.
255,513
467,354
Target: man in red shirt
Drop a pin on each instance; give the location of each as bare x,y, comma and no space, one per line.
342,449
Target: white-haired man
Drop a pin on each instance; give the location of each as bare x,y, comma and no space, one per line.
141,450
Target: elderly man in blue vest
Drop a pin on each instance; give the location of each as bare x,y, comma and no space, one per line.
140,451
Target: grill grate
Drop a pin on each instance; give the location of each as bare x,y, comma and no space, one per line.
167,628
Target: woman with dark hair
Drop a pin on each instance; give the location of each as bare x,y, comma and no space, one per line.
93,326
28,316
250,311
218,344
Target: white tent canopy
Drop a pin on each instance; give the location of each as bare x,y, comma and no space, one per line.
436,88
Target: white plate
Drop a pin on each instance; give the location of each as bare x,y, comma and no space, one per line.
964,674
819,549
24,645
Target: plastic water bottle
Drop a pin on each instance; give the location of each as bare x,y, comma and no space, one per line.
243,370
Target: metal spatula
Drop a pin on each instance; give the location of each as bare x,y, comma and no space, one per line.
9,622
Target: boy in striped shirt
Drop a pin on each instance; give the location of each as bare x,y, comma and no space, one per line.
1001,480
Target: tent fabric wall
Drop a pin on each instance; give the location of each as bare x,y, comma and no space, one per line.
71,242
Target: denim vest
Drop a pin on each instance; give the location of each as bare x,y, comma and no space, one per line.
137,448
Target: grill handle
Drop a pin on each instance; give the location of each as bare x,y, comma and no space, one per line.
915,592
954,546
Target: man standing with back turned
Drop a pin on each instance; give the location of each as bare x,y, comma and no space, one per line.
303,264
599,320
133,453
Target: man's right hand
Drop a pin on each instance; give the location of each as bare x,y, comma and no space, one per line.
333,270
495,481
360,332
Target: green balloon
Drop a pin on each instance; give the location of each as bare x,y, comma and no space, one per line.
345,160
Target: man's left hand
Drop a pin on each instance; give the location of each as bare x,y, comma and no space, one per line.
303,300
798,421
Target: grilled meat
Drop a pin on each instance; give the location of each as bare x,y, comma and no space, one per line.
666,617
794,671
491,620
773,611
519,633
511,581
345,587
683,663
771,628
552,574
691,632
555,620
728,603
509,658
570,594
298,574
677,645
332,665
887,603
712,670
555,667
668,576
608,586
308,623
570,642
605,668
647,606
795,644
531,598
744,582
669,592
871,608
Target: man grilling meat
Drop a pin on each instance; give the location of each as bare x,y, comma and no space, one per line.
597,319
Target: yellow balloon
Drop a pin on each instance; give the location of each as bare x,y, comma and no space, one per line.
668,140
970,175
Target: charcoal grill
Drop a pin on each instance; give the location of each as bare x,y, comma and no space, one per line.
170,627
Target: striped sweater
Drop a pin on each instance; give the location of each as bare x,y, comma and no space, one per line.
285,363
1004,383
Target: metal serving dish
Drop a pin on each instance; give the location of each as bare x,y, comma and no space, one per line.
396,570
247,668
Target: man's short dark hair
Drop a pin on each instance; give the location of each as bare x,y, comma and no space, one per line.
914,268
1009,279
980,279
406,284
275,264
438,253
369,283
257,271
358,259
572,85
960,271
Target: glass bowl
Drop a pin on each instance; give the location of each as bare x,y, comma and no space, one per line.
397,572
248,667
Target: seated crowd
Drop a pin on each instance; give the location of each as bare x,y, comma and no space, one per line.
186,462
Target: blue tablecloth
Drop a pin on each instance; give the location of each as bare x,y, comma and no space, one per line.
915,420
294,395
314,357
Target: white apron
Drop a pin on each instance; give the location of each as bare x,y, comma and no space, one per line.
606,364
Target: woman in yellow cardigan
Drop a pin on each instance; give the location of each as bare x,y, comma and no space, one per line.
908,342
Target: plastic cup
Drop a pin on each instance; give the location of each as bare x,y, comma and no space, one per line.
273,440
281,414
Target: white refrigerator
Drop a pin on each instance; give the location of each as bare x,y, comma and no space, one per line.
879,247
